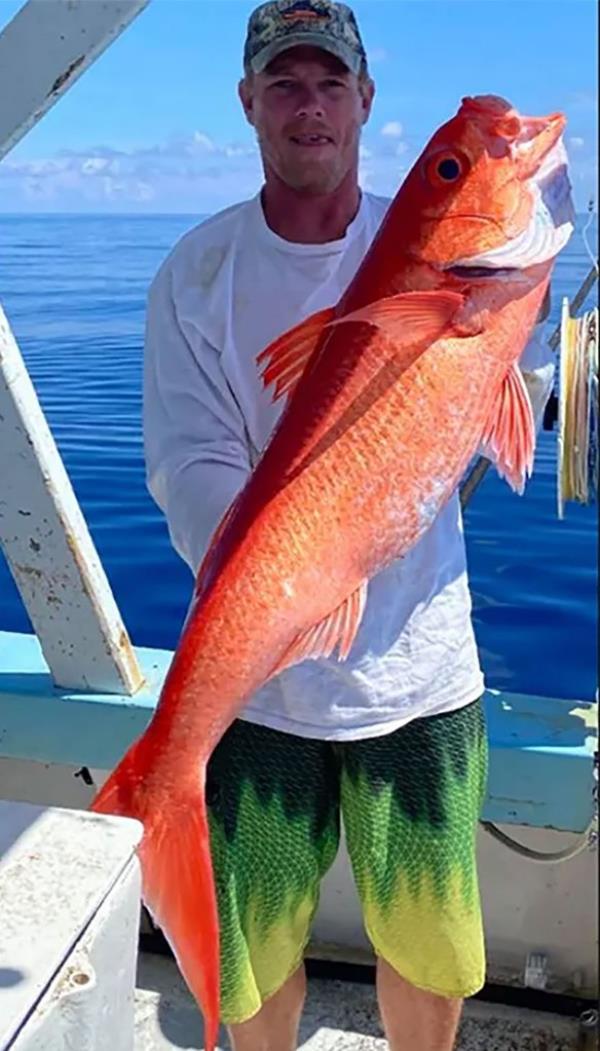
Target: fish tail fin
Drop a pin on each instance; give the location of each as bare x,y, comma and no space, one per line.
177,876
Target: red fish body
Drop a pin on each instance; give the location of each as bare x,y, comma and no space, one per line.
390,393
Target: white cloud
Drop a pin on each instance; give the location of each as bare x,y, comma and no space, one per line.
187,172
144,191
111,188
94,165
203,142
197,174
393,129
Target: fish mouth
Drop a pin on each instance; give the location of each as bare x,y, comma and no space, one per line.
541,163
475,272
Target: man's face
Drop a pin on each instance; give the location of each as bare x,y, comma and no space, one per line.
308,110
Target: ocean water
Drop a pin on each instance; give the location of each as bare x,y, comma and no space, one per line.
74,291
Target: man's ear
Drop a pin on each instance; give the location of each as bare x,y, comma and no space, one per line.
246,97
367,91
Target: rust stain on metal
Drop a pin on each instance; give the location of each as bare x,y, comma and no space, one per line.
62,79
72,977
29,571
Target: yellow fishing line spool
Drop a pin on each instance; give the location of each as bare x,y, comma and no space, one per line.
578,409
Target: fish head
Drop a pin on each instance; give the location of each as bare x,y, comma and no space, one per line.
491,191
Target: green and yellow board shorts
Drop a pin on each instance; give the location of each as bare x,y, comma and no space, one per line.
410,803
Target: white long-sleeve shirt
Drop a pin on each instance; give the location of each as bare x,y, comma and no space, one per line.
228,288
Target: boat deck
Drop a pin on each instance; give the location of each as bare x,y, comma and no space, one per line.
339,1016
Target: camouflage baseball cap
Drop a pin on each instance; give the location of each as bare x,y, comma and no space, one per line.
280,24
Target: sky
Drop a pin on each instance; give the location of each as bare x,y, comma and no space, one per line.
155,125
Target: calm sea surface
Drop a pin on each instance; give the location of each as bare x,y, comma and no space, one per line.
74,291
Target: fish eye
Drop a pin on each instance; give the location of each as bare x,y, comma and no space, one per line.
446,168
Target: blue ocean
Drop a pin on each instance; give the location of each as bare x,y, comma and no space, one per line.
74,290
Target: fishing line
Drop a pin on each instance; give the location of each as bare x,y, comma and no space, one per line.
578,419
578,422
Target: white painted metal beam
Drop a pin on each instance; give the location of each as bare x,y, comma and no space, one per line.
45,48
49,549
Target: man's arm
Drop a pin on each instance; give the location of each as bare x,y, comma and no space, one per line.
538,364
195,442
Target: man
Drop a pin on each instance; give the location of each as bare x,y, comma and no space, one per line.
394,738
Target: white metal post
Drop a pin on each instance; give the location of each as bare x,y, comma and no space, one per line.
48,546
43,51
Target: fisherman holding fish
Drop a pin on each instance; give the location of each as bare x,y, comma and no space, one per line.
398,359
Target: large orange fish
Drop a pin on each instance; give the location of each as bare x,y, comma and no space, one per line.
390,393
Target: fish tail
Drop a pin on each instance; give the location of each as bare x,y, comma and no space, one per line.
177,876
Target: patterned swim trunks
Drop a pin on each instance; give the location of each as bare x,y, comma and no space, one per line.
410,802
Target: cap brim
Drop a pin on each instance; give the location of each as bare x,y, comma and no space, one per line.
337,48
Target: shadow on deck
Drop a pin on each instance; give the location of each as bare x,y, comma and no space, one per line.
339,1016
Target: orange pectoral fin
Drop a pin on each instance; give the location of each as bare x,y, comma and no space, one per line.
285,359
409,317
337,629
510,432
